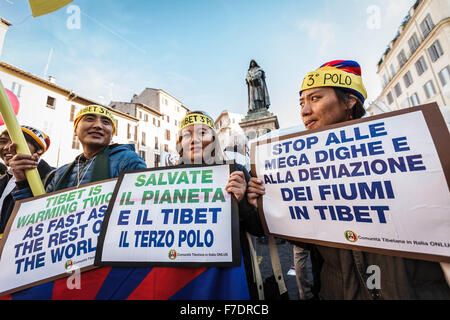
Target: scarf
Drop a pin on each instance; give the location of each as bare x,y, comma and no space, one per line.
100,171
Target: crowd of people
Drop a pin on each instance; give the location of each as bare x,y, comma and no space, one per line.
338,273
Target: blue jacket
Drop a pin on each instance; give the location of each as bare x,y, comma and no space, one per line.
121,158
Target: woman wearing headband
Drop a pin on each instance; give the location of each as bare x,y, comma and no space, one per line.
198,144
332,94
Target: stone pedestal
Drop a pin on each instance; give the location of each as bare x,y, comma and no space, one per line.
258,123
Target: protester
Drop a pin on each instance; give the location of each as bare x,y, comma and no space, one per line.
198,144
100,160
342,274
38,143
94,126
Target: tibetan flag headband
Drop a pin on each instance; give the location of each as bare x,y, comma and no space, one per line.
197,118
344,74
94,109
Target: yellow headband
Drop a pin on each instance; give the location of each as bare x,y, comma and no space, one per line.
334,77
94,109
197,118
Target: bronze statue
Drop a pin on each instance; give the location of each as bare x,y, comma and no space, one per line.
258,95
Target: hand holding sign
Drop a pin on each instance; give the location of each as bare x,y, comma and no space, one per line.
255,191
21,162
237,185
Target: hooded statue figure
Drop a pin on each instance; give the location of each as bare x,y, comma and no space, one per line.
258,96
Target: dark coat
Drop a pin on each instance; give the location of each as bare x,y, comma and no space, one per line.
250,222
343,274
8,203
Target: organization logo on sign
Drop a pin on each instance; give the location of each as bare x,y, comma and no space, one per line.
172,254
68,264
351,236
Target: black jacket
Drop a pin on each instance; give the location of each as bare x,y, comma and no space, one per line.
250,222
8,203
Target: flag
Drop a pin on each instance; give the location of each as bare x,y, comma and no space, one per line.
115,283
41,7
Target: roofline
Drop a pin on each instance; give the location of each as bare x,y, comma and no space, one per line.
69,93
401,34
220,116
9,24
149,109
161,90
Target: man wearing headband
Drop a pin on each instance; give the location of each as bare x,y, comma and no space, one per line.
94,126
38,143
332,94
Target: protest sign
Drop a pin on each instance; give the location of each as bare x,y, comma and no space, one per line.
50,236
379,184
175,216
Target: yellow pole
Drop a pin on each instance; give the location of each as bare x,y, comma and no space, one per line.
16,134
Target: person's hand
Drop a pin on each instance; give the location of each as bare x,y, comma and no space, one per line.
21,162
237,185
255,190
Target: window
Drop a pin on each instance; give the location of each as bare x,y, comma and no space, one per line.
415,100
401,58
426,26
168,135
16,89
140,114
421,66
390,98
128,131
444,76
429,89
50,102
75,142
166,148
405,104
117,126
168,119
154,121
146,117
143,139
393,71
157,159
413,43
408,79
385,81
398,90
156,143
142,154
135,133
72,113
435,51
159,123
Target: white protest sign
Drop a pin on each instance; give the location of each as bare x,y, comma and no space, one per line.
177,216
379,184
50,235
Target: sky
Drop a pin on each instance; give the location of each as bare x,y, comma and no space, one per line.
199,50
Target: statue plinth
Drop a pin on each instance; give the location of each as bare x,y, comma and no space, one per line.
258,123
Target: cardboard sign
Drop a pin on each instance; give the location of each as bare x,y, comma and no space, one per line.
175,216
50,236
378,184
